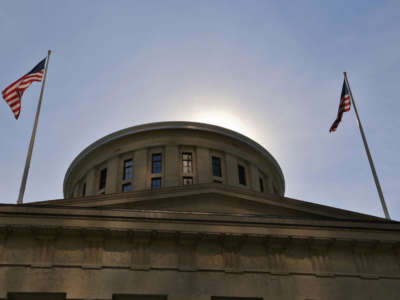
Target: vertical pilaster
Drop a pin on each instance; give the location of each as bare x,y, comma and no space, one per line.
112,180
44,250
276,255
187,251
254,178
90,183
363,260
231,245
269,184
93,252
204,165
4,233
231,169
319,254
140,253
172,166
139,169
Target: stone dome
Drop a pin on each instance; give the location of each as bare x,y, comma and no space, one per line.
167,154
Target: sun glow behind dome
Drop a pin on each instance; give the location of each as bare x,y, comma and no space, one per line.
225,119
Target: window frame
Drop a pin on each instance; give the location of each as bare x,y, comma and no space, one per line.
187,178
261,184
127,170
126,185
242,175
102,178
188,161
216,166
154,179
154,169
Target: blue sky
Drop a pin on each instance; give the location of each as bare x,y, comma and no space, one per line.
272,70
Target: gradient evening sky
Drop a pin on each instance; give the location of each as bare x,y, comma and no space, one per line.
271,70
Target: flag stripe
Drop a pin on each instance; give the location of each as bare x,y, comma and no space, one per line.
344,105
14,84
13,93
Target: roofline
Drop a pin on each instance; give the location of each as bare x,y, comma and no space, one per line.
172,125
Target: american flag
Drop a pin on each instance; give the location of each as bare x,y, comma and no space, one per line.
13,93
344,105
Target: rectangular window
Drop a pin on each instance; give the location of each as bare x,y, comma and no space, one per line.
156,163
138,297
155,183
187,180
127,187
235,298
261,185
36,296
84,190
187,162
216,166
127,169
242,175
103,178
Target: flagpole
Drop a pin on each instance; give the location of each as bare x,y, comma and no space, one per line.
371,163
30,149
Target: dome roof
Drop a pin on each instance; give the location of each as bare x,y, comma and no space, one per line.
173,125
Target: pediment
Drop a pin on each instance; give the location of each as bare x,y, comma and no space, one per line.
212,198
214,203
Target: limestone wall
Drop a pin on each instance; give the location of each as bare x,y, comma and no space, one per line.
95,264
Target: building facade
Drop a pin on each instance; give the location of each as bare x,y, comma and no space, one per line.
183,210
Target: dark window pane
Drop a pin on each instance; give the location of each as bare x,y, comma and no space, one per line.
156,183
36,296
127,169
156,163
216,166
103,178
261,185
242,175
187,180
127,187
138,297
235,298
187,162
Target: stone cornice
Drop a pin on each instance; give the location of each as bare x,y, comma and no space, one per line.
211,189
25,218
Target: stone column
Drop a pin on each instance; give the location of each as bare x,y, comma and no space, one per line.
90,183
139,169
4,233
231,169
363,260
231,245
140,253
44,250
269,185
93,252
396,250
171,166
319,254
254,180
276,248
187,251
112,180
203,160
